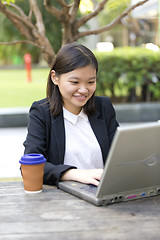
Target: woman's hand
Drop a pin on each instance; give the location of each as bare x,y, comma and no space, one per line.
91,176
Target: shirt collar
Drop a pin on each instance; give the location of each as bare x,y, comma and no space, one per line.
72,117
83,115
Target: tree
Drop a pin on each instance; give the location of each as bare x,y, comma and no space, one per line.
8,32
31,25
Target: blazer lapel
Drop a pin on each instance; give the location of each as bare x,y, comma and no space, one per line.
100,130
59,131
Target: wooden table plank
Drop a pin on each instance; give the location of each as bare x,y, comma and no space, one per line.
54,214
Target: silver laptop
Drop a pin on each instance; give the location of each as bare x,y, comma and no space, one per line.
132,169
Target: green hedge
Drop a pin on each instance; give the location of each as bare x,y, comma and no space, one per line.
129,74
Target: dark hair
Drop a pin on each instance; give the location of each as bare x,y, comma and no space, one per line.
70,57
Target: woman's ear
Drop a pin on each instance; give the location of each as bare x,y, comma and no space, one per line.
54,77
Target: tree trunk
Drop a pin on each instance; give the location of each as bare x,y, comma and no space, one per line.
47,52
69,34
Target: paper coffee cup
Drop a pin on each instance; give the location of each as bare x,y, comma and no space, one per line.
32,168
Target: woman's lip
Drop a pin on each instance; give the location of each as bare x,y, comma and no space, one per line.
80,97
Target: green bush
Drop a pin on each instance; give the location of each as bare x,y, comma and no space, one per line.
129,74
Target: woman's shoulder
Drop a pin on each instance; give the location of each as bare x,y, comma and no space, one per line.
43,103
103,104
40,107
102,100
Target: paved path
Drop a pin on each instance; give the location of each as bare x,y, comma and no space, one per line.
11,150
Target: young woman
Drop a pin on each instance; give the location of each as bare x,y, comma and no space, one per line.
72,127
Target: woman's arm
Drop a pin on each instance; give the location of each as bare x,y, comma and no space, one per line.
38,141
89,176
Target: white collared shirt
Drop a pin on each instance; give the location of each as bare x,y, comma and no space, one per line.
82,148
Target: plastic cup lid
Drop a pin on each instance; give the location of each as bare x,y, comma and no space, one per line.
32,159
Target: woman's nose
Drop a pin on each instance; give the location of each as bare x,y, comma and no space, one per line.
83,90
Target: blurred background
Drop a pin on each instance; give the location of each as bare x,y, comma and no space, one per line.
125,37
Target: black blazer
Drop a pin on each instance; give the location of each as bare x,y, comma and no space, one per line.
46,135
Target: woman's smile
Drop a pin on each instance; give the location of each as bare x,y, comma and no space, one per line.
80,97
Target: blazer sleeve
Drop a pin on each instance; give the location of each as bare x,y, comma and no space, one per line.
111,120
37,141
107,112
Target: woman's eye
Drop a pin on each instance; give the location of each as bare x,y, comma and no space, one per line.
91,82
74,82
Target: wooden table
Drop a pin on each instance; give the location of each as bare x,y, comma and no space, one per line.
54,214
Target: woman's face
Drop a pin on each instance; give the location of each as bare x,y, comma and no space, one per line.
76,87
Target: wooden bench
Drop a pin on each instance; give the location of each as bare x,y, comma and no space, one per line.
54,214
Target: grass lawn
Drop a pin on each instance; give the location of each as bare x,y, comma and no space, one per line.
15,91
18,179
